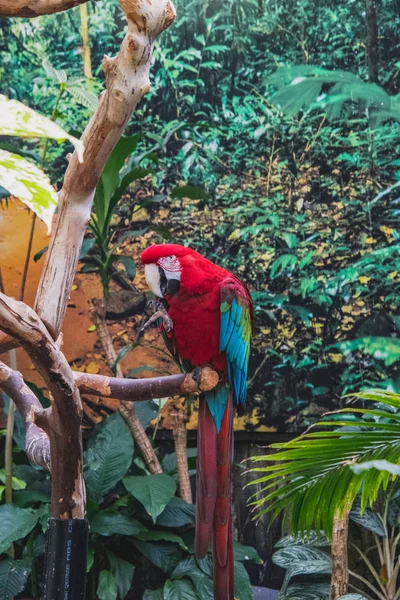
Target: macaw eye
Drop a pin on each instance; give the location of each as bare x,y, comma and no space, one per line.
170,264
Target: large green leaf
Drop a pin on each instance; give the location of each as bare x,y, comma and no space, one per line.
243,589
15,523
164,556
20,120
107,586
246,553
25,180
352,597
203,584
367,519
154,594
13,578
179,589
109,456
107,522
155,535
190,191
304,591
123,573
300,560
153,491
316,474
177,513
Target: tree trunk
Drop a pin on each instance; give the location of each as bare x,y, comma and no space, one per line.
372,41
87,61
340,567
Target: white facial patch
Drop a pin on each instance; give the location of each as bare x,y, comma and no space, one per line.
153,279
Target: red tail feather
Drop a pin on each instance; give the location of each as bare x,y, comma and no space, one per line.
206,478
214,474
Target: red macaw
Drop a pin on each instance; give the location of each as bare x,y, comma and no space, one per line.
212,317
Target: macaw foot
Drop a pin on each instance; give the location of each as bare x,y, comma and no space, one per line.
160,313
196,375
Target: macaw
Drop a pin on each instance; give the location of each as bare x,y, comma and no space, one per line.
210,321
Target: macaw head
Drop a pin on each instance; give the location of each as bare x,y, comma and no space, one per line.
163,266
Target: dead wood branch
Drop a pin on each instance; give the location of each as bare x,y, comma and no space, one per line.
179,419
62,421
35,8
145,389
37,445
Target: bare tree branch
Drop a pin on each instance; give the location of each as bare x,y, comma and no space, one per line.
62,421
35,8
37,445
145,389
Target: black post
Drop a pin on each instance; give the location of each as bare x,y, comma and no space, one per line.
65,561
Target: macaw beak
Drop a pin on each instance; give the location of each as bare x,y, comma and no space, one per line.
161,282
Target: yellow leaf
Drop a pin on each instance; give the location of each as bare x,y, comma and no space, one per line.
92,328
363,279
235,235
347,309
386,230
74,287
370,240
121,332
336,358
392,275
93,368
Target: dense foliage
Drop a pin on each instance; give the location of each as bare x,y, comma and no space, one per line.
300,199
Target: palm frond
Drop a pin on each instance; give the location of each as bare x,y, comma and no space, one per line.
318,474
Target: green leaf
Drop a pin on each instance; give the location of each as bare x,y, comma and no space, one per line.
25,180
154,535
164,556
15,523
109,456
367,519
129,265
83,96
179,589
177,513
246,553
107,587
189,191
286,261
203,584
121,354
243,590
300,560
352,597
40,253
19,120
153,491
306,591
108,522
59,76
87,246
13,578
154,594
123,573
381,348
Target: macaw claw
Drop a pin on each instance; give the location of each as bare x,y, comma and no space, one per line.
160,313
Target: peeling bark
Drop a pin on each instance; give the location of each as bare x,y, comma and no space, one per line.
35,8
62,422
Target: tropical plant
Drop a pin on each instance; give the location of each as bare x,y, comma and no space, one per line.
320,473
303,559
140,532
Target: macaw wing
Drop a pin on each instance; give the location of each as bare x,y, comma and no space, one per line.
235,333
